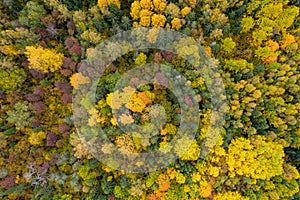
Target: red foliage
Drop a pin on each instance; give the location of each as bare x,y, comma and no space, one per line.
67,62
80,65
161,79
25,63
38,153
111,197
72,45
73,66
92,72
44,167
63,86
169,56
51,28
83,67
188,100
33,97
13,158
8,182
62,128
38,91
69,42
66,98
42,43
38,106
36,124
66,72
75,49
51,139
41,32
66,134
134,82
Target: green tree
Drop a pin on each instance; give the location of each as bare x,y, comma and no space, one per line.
21,115
11,76
31,14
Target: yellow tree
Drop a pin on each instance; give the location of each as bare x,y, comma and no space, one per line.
255,158
43,59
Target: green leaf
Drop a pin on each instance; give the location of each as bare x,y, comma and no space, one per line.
10,131
45,83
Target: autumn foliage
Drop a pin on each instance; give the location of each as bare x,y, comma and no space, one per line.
49,51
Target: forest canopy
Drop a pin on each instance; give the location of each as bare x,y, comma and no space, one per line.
54,50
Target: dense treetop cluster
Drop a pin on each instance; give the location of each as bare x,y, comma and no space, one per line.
256,46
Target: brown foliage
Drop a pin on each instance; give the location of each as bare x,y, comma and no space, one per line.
111,197
157,57
71,27
36,74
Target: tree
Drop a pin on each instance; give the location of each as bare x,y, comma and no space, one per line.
21,115
42,59
230,196
31,14
106,3
228,45
11,76
255,158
